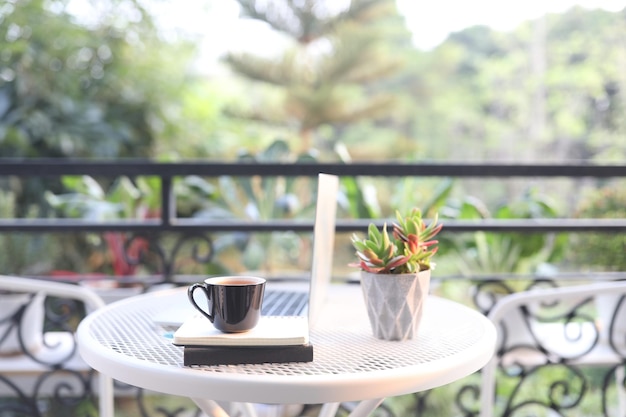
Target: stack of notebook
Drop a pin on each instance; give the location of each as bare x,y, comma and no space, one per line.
275,339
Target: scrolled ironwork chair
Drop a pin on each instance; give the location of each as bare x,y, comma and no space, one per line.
546,338
25,348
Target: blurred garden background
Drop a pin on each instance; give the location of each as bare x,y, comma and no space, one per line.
323,81
114,79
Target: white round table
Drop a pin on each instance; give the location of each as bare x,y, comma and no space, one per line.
123,341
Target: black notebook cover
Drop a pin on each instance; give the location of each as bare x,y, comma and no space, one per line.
237,355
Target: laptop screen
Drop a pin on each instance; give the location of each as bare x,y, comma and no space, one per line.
323,242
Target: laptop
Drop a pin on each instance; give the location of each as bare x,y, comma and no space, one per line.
293,299
308,300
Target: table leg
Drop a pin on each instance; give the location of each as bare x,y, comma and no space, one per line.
213,409
365,407
329,410
247,409
107,396
210,407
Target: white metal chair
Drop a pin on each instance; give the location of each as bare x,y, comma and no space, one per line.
594,340
67,291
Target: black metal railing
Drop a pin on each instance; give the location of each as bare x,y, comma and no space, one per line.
168,171
168,223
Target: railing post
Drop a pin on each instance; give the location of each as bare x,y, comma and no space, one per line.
168,201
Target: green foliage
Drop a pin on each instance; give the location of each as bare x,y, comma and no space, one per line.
124,199
256,199
201,125
108,85
525,392
606,251
222,199
90,200
23,253
503,252
548,90
76,88
432,195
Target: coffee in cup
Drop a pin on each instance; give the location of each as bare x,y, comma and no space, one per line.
233,302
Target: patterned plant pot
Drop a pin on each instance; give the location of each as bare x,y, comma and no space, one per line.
395,302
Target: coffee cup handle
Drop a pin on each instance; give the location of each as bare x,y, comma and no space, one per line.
190,292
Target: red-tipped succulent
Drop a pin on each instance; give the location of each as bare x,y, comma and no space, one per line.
409,248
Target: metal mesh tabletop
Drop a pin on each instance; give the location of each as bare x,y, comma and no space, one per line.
123,341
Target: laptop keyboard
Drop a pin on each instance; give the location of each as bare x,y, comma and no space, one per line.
284,303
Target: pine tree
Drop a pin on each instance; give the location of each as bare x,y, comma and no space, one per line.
338,66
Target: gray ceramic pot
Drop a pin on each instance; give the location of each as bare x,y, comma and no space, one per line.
394,303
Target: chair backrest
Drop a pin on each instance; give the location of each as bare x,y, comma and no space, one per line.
43,288
575,310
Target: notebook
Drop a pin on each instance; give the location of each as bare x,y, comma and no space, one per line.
303,299
270,331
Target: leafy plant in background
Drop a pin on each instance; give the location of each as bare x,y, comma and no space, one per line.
434,193
125,199
513,253
367,198
221,199
256,198
24,254
120,253
606,251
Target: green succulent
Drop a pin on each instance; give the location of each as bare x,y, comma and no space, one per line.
408,248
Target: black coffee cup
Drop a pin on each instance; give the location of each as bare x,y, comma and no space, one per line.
234,302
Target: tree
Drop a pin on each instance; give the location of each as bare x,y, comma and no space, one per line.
77,86
336,68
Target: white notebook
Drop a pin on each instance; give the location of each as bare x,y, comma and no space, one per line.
270,331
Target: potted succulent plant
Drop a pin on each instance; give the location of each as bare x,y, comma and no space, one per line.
395,273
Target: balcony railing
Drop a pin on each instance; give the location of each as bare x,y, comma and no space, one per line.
168,223
166,172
